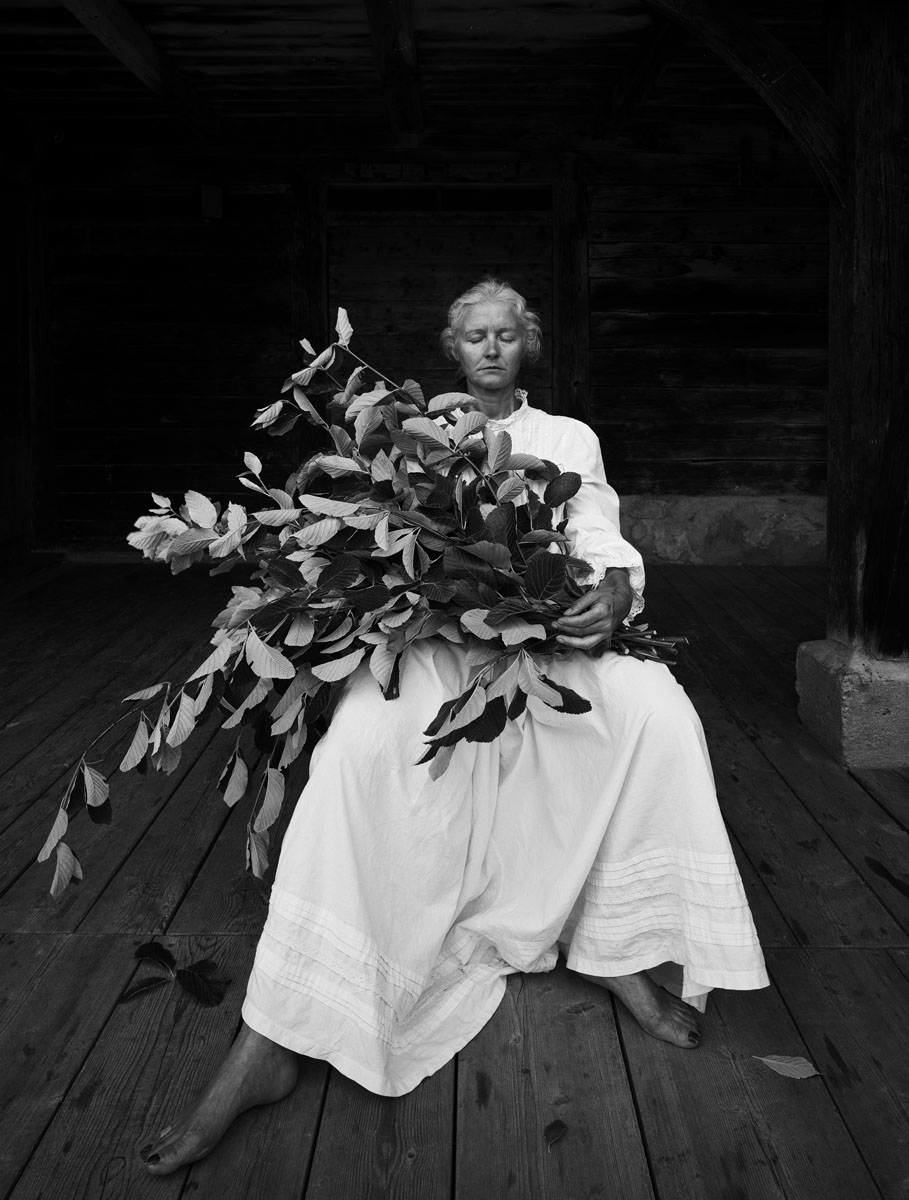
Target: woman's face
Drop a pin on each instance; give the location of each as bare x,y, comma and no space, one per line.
490,345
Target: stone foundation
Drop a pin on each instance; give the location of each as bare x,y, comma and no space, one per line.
856,706
727,530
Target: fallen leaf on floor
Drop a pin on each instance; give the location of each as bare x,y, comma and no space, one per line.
792,1068
554,1132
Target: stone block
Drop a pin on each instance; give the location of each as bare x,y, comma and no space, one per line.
727,530
855,705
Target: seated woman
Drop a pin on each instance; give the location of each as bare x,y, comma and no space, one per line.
401,903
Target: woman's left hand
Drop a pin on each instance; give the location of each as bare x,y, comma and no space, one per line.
593,617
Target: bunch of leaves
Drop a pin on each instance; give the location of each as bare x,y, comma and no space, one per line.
417,520
200,980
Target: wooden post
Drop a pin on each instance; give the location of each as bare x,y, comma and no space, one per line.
570,295
854,687
868,500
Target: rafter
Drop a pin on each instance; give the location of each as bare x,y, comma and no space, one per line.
656,50
786,86
125,38
391,26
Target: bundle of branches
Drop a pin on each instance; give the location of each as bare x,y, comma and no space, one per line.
417,522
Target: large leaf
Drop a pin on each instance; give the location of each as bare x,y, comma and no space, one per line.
446,401
201,510
184,722
516,630
425,430
339,575
96,786
318,532
562,488
325,506
137,747
267,661
257,852
156,953
571,702
67,868
145,694
237,781
784,1064
276,517
499,446
198,981
338,668
273,785
301,631
466,424
58,829
215,661
545,575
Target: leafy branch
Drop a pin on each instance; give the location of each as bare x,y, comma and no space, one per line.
416,521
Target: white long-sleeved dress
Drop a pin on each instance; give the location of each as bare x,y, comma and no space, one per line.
401,904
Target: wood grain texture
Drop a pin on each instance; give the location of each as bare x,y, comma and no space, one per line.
764,62
734,1140
848,1009
57,993
403,1146
531,1081
874,845
116,28
570,325
868,542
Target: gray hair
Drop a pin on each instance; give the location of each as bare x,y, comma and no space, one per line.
490,289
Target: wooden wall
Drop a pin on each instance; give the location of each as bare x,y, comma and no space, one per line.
170,324
706,281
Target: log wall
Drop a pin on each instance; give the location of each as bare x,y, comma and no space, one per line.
174,311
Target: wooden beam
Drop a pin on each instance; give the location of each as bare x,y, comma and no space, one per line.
774,72
125,38
391,26
656,50
570,316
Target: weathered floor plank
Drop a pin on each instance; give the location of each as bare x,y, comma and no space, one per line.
850,1008
546,1079
560,1095
402,1147
719,1125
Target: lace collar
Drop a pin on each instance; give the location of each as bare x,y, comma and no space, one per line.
518,415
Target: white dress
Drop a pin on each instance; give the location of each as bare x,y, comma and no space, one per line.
401,904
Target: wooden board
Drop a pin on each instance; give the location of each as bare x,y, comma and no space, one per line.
147,1065
719,1124
375,1147
755,695
546,1080
57,993
849,1009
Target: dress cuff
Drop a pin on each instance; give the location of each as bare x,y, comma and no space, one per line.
601,563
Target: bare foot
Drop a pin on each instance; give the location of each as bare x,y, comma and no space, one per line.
658,1013
256,1071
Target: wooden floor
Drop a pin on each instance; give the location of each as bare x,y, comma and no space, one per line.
561,1095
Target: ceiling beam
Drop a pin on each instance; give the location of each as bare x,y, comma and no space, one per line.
774,72
125,38
391,26
655,51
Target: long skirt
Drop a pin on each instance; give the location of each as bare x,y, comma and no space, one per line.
401,904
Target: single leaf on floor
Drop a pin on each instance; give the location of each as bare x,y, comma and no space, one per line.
202,985
554,1132
156,953
785,1064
